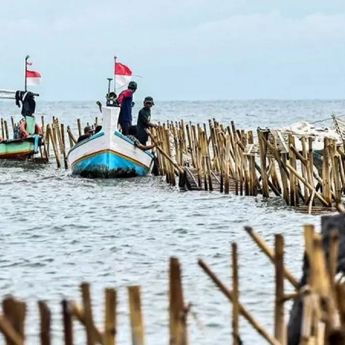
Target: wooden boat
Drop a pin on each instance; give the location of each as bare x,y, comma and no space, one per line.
108,153
21,147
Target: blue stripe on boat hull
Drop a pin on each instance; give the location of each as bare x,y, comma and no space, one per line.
108,164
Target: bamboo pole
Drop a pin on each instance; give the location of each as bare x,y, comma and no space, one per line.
177,310
110,317
307,338
47,139
45,316
279,322
6,130
13,126
52,139
42,125
170,166
179,169
80,315
302,179
136,318
87,306
72,139
67,323
263,155
79,127
2,129
293,180
243,311
12,324
12,337
63,144
261,243
236,340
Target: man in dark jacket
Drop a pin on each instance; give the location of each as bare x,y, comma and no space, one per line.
125,101
144,120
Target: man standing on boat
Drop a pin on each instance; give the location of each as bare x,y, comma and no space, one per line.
125,100
144,120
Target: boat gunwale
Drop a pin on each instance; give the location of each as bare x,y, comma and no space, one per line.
98,135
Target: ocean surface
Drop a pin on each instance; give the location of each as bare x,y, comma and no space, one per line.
57,230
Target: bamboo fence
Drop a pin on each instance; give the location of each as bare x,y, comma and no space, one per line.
321,292
215,157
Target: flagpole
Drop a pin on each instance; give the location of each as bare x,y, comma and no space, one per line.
26,69
115,57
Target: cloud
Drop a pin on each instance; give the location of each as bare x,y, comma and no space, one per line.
245,48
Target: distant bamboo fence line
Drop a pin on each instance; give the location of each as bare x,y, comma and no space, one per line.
216,157
321,320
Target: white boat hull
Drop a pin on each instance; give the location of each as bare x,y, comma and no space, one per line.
109,153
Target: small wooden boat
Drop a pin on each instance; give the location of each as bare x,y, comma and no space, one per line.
20,149
108,153
28,138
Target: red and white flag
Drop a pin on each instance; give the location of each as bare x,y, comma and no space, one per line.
33,77
123,75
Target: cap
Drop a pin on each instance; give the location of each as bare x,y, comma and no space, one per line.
148,99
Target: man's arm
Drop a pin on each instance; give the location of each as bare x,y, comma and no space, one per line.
140,146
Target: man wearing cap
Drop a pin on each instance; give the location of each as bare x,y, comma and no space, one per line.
144,120
87,134
125,100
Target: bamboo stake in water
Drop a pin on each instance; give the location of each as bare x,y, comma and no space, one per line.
236,340
2,129
67,323
71,138
45,316
12,325
110,317
136,317
13,126
261,243
243,311
177,312
52,140
79,127
279,322
87,306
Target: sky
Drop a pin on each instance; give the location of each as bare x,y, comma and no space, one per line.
181,49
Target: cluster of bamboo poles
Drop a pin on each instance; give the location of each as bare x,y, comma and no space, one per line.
55,136
322,297
322,318
55,142
218,157
4,128
12,320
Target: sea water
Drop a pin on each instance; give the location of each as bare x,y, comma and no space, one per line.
57,230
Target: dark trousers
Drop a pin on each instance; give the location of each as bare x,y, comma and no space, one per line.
125,127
